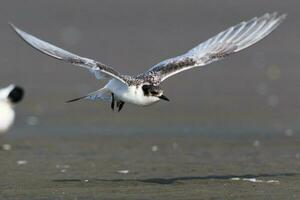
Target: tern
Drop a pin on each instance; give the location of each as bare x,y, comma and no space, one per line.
144,89
9,96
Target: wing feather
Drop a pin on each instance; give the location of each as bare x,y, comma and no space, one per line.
100,70
232,40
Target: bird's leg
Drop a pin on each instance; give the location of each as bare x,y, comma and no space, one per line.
112,105
120,105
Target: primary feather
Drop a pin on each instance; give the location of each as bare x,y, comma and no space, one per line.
100,70
234,39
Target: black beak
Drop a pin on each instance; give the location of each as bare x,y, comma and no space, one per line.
163,97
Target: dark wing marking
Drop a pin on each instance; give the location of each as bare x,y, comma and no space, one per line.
232,40
100,70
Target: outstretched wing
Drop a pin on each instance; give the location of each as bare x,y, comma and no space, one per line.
100,70
234,39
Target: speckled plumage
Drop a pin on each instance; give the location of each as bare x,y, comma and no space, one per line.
128,88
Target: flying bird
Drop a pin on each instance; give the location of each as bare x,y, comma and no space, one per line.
144,89
9,96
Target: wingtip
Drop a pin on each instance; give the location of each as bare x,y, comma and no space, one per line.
15,28
278,15
275,16
280,18
283,16
12,26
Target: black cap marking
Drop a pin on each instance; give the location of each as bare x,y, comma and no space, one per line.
16,95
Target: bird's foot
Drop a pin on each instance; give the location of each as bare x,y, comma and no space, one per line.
120,105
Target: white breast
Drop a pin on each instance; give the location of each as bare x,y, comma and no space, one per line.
7,116
130,94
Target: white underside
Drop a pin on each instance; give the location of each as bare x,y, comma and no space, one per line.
130,94
7,116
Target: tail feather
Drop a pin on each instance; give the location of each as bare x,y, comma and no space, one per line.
76,99
102,94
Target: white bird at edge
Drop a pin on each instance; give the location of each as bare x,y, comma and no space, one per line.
9,96
144,89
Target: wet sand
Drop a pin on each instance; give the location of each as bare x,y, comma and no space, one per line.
89,166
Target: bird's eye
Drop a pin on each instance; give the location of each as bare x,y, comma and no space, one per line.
146,89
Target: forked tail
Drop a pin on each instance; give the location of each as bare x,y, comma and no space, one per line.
102,94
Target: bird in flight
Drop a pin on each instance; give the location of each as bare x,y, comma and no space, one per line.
144,89
9,96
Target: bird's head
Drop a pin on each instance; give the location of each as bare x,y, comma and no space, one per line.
154,91
12,93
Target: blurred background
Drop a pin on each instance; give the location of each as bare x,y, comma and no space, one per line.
253,92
